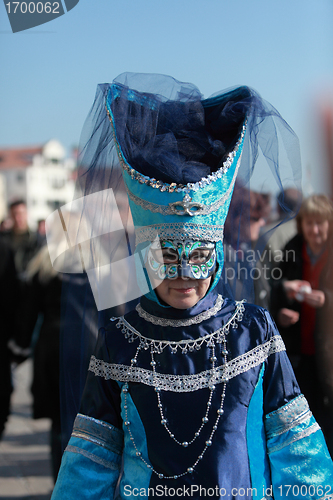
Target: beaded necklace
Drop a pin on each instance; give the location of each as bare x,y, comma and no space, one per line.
156,348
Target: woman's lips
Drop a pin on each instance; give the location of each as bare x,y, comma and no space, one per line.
184,290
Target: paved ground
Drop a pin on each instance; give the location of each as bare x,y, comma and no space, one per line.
25,471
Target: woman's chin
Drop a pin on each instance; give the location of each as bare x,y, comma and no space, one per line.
182,294
183,298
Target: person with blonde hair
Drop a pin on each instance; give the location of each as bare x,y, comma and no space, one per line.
301,296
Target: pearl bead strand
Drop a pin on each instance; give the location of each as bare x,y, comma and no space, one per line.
205,419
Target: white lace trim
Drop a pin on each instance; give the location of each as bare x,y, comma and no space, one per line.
188,383
155,320
185,346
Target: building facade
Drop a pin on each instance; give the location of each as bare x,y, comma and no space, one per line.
42,176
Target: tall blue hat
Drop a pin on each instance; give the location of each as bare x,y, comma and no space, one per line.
179,180
178,157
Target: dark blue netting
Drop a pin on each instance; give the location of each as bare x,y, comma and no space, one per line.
178,141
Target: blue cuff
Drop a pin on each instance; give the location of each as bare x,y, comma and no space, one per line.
301,466
91,462
99,432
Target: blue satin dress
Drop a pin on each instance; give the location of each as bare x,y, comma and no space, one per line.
238,395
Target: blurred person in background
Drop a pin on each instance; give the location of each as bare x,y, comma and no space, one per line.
41,232
246,263
19,237
23,243
42,330
8,302
283,231
300,298
40,321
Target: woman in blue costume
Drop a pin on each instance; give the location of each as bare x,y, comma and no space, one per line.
190,393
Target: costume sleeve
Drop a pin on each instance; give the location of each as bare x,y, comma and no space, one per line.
91,462
300,463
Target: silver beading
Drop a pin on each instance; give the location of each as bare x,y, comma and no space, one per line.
175,323
185,206
185,346
212,387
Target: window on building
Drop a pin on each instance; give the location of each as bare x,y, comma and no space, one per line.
55,204
57,183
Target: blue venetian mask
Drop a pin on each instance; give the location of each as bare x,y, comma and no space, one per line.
171,259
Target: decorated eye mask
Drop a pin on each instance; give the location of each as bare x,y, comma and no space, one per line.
173,259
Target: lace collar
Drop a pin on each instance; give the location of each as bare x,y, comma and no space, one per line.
194,320
154,309
184,345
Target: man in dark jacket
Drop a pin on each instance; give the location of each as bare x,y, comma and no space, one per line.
20,238
8,307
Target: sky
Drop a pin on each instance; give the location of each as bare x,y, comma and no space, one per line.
283,49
